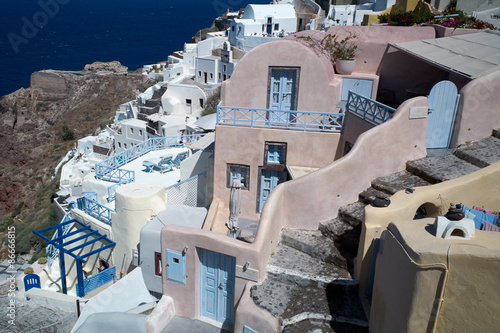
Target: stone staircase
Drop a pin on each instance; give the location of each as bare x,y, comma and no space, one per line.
310,284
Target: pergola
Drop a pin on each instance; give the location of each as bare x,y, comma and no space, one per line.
63,245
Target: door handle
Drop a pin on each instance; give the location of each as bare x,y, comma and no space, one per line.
221,286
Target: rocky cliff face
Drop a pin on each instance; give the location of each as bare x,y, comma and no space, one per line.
32,122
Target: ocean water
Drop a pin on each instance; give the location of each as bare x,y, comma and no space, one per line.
68,34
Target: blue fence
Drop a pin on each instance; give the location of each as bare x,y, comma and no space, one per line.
95,209
109,169
293,119
98,280
368,109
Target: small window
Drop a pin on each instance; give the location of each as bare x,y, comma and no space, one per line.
219,76
232,28
199,73
224,68
275,153
225,77
158,266
276,27
140,132
269,20
201,102
263,28
119,144
131,130
125,145
211,76
241,172
188,102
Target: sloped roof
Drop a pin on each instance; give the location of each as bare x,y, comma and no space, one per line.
470,56
207,122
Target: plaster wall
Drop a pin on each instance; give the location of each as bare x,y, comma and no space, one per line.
478,110
248,86
187,296
208,67
174,100
135,206
308,149
196,164
427,283
479,188
342,181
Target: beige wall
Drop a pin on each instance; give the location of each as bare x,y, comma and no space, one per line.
419,275
308,149
248,86
318,196
478,111
479,188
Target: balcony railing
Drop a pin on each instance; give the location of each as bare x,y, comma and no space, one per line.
109,169
368,109
98,280
293,119
95,209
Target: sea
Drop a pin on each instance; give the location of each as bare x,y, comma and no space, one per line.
68,34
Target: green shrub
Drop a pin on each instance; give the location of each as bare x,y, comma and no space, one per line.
212,102
28,270
42,260
67,133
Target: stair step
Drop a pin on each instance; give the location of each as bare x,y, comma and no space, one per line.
398,181
440,168
368,196
335,228
481,153
290,265
353,213
288,300
315,244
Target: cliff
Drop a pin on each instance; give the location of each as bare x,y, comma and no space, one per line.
38,125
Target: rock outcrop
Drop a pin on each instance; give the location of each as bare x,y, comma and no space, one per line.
106,67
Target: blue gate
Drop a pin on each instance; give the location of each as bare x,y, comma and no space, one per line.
443,104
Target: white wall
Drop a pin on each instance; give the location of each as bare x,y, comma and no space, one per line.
133,132
174,101
207,70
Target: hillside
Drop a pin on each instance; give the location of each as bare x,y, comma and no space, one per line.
38,126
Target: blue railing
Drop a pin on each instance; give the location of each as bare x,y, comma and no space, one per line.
52,252
368,109
293,119
98,280
112,191
109,169
95,209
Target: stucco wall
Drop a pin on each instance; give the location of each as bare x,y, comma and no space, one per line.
248,86
479,109
308,149
318,196
479,188
419,275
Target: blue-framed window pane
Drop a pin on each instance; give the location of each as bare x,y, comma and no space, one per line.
241,172
275,154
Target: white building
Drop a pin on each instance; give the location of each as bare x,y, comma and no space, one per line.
184,98
215,69
163,126
130,133
262,21
354,14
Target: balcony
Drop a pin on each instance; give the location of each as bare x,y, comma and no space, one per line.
280,119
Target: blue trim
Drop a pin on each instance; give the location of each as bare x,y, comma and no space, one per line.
176,266
368,109
247,329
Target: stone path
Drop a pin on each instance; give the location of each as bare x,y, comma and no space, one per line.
309,282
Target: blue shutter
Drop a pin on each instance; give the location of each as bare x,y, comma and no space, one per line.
176,267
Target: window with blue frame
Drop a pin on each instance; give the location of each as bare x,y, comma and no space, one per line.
241,172
275,153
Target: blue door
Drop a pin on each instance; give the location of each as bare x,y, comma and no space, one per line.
217,286
268,181
282,96
358,86
443,104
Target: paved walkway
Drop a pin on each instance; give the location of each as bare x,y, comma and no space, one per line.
183,325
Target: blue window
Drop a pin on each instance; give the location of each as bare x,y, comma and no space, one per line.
241,172
275,153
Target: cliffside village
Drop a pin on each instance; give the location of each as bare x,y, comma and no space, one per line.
314,198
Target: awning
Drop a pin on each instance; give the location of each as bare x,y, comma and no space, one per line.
470,56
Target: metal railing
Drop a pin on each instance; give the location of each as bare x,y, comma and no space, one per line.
368,109
190,192
109,169
95,209
98,280
52,252
280,119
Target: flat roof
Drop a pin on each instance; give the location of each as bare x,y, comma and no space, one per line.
470,56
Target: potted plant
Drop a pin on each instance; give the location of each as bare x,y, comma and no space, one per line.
342,53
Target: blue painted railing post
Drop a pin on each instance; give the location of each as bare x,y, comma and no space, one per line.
62,266
79,284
